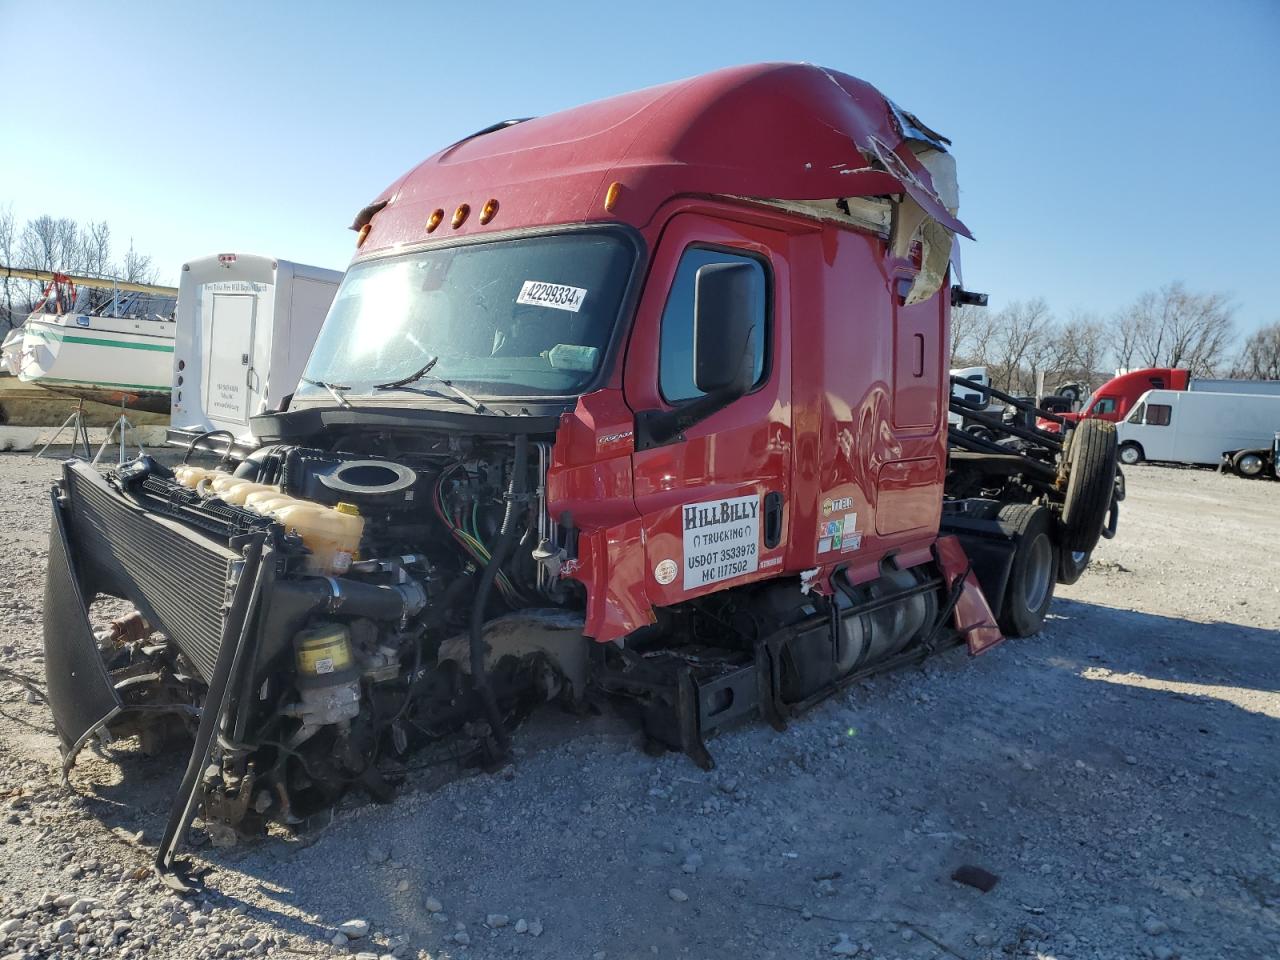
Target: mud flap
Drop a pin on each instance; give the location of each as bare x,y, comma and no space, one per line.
972,615
81,696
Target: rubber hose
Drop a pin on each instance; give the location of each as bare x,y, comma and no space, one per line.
506,540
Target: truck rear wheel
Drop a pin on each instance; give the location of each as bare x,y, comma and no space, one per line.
1034,570
1091,477
1248,463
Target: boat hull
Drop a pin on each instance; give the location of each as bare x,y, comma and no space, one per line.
107,359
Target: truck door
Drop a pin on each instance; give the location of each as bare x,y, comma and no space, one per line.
713,503
230,326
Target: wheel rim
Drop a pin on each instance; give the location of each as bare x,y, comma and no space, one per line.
1035,585
1129,455
1250,465
1078,557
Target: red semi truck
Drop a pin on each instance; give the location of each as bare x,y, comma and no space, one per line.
1114,399
645,401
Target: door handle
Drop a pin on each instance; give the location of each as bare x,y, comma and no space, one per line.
772,520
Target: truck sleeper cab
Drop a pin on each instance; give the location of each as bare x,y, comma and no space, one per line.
626,414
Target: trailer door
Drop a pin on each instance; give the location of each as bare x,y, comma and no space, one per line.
230,346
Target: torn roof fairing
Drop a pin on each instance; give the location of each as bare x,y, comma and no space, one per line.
791,132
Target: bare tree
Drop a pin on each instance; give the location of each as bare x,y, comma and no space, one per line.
970,326
1173,327
1123,336
95,239
8,248
137,267
1081,348
1260,359
1020,344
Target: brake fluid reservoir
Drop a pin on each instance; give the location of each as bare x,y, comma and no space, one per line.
332,536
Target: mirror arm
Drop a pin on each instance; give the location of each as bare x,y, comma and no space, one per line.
657,428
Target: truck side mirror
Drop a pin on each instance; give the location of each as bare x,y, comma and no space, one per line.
724,311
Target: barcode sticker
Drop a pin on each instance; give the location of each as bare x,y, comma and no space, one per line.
554,295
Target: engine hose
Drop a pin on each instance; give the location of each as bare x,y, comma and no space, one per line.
507,536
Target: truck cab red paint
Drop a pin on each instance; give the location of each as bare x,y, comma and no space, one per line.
845,431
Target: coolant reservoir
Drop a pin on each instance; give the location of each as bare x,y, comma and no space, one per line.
237,494
257,500
332,536
223,484
189,475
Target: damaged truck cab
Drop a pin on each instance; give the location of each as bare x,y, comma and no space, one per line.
643,402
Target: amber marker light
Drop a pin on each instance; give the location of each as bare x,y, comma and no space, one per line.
434,220
611,198
488,211
363,235
460,215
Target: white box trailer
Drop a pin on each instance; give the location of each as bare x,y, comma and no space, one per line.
1189,426
245,327
1268,387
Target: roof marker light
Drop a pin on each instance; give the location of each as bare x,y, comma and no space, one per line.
434,220
363,235
460,215
611,198
488,211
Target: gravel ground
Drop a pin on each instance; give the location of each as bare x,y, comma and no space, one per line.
1116,772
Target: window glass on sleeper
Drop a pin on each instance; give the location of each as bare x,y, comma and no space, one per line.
675,354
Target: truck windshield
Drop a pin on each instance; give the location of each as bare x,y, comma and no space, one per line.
526,317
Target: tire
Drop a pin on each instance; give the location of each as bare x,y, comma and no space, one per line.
1033,573
1072,565
1091,480
1248,463
980,431
1131,453
1071,393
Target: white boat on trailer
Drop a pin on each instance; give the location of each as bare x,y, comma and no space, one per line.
116,349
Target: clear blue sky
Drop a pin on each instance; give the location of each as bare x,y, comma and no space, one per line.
1103,148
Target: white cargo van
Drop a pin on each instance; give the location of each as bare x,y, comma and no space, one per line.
245,327
1192,427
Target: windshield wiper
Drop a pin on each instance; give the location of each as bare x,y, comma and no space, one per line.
405,381
424,373
335,391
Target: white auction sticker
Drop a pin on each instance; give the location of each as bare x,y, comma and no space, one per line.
721,540
554,295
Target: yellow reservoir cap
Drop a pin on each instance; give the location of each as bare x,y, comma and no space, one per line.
350,509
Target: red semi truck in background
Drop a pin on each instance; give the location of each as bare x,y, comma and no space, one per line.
1114,399
642,401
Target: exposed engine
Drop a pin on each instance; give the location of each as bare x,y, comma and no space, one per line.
359,663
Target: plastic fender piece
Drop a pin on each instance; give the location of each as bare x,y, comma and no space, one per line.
973,618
